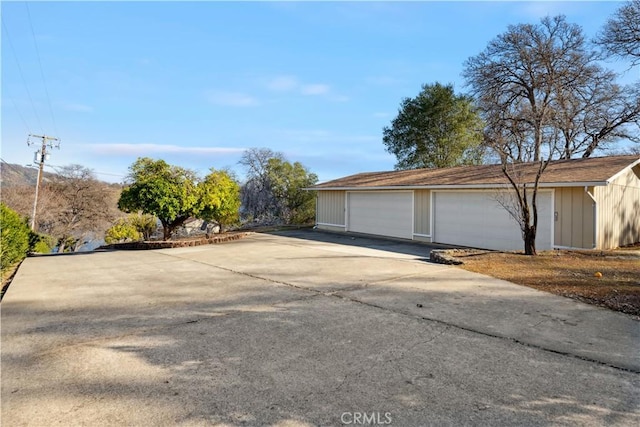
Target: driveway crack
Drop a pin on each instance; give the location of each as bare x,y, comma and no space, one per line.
491,335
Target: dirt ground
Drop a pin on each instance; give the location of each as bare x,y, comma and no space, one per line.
572,274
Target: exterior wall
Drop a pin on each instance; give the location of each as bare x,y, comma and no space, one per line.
422,215
330,210
478,218
619,210
337,228
574,222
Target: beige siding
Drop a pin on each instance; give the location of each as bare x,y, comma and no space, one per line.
422,212
330,208
619,210
574,225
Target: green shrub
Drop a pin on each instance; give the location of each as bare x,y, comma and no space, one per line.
145,224
41,243
15,237
122,231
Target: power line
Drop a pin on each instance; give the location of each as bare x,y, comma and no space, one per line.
24,81
44,82
92,171
56,167
10,166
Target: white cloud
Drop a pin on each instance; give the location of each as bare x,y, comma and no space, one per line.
232,99
147,149
283,83
314,89
288,83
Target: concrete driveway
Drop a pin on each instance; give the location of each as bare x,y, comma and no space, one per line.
304,328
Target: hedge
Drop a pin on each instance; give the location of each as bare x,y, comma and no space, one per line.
15,237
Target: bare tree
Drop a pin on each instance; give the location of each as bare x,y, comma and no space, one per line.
620,38
258,200
596,114
621,35
522,81
73,206
83,206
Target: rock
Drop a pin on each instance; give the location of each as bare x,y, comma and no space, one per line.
441,256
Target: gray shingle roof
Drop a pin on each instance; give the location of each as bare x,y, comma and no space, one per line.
578,171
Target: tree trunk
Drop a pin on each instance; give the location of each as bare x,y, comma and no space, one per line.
592,146
530,240
61,245
166,232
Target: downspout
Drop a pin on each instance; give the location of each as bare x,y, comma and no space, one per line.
595,217
315,226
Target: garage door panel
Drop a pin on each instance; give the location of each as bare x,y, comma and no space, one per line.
476,219
382,213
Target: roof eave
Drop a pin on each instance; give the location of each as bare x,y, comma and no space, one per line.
458,186
624,170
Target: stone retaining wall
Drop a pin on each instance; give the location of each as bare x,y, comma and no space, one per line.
166,244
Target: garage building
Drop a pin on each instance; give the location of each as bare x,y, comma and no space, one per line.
582,203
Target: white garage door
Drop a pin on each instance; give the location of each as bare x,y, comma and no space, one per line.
382,213
476,219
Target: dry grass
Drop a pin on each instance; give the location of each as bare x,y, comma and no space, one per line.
568,273
7,277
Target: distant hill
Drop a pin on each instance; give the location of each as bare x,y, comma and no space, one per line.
12,175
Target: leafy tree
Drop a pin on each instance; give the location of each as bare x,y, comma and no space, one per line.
219,198
543,95
288,182
621,35
173,195
435,129
160,189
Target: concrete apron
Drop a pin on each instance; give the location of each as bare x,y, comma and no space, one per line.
301,331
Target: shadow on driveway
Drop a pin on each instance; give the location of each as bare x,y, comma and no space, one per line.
421,250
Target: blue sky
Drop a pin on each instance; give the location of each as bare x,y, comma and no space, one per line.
198,83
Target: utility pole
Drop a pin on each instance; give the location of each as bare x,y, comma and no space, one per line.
40,157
